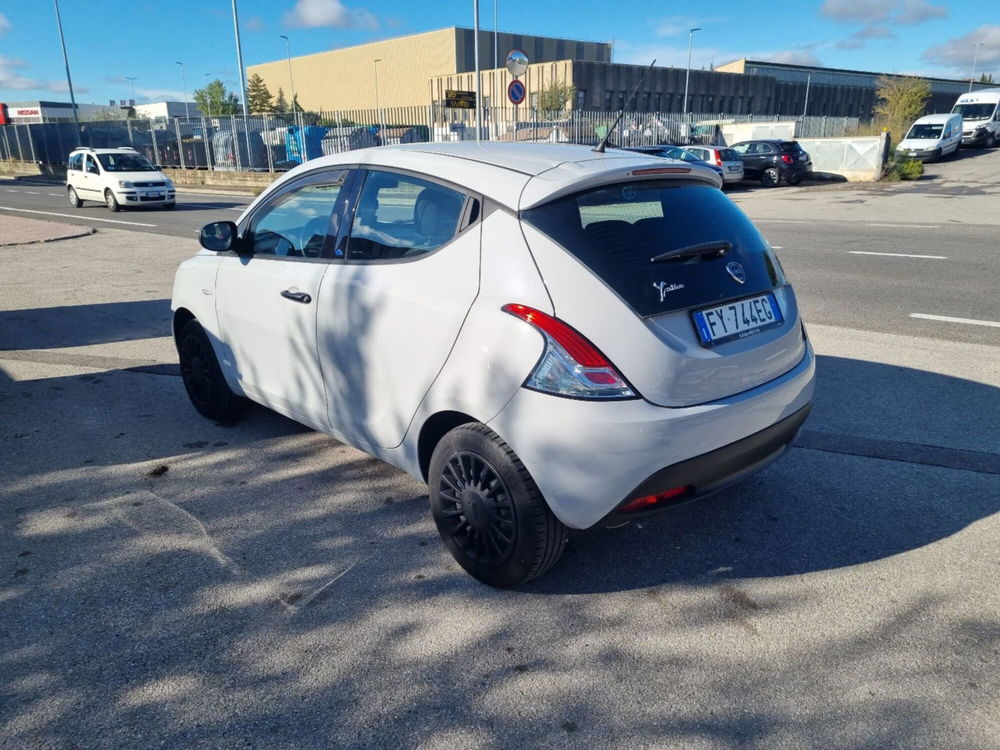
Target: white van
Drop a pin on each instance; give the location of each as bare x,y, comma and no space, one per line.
932,137
980,117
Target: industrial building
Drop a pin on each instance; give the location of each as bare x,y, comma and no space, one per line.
395,72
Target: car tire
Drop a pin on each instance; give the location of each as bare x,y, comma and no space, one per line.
74,199
488,510
203,379
795,179
770,177
991,140
111,202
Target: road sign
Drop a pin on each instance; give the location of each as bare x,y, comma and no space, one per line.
516,91
459,99
517,63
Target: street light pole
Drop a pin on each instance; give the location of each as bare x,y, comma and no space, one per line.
291,82
132,80
479,99
187,114
208,99
687,74
375,66
239,64
805,107
69,81
975,55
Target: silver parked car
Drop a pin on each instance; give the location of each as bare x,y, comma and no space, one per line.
729,161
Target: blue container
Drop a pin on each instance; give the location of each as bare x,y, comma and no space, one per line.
305,141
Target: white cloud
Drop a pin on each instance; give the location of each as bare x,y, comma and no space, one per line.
254,23
858,39
4,24
904,12
332,13
10,78
792,57
703,57
956,54
144,96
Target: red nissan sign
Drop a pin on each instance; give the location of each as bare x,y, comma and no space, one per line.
27,112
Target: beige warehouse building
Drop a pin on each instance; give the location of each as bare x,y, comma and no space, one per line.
401,68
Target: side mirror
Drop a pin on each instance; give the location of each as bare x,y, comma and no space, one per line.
219,236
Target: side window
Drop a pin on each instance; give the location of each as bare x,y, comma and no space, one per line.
401,217
296,223
76,163
742,148
92,165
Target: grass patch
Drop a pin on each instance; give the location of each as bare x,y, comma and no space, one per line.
903,169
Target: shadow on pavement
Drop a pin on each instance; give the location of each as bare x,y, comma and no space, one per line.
82,325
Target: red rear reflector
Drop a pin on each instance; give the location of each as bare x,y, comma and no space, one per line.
582,351
662,170
648,500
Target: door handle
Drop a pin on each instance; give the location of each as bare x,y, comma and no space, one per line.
302,297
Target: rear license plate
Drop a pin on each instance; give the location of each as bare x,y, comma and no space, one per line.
802,157
735,169
737,320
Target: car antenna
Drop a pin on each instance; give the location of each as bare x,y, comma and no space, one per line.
599,148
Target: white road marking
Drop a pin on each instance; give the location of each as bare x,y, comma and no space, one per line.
946,319
76,216
12,191
57,195
777,247
32,192
238,209
906,226
899,255
782,221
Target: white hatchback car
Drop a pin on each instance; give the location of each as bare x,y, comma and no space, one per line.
116,177
550,337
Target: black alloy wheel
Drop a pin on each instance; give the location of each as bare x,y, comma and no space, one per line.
488,510
203,379
770,177
477,509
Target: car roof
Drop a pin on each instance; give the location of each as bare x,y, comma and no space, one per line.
516,175
88,150
938,118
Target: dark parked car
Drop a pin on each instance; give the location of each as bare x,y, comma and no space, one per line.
676,152
772,161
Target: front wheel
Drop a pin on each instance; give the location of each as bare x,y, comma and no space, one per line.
74,199
488,510
795,179
203,379
770,177
111,201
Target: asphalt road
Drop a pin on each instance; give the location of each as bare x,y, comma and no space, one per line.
166,581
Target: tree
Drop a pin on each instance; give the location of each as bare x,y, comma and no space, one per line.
986,78
259,98
280,102
901,100
555,96
214,100
296,107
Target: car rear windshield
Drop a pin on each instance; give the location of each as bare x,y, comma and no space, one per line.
727,154
790,146
616,230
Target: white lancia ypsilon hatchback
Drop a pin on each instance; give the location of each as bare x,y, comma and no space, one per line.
550,337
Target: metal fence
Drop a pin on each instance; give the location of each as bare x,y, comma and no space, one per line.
278,142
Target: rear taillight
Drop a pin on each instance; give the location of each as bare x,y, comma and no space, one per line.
571,366
787,159
718,158
641,503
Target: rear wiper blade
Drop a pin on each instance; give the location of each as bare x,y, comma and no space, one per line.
702,248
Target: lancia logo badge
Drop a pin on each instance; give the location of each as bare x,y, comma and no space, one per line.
736,271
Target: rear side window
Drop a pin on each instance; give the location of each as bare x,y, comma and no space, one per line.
398,216
76,163
616,230
727,154
791,146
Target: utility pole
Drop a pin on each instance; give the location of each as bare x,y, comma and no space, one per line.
239,63
132,80
687,73
187,114
479,97
69,80
291,82
208,99
975,55
378,115
805,107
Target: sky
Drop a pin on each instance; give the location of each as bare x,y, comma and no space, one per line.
108,40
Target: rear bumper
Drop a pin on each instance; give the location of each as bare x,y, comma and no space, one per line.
588,458
716,470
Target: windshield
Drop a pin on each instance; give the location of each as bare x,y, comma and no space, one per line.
616,230
974,111
125,163
680,153
924,131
